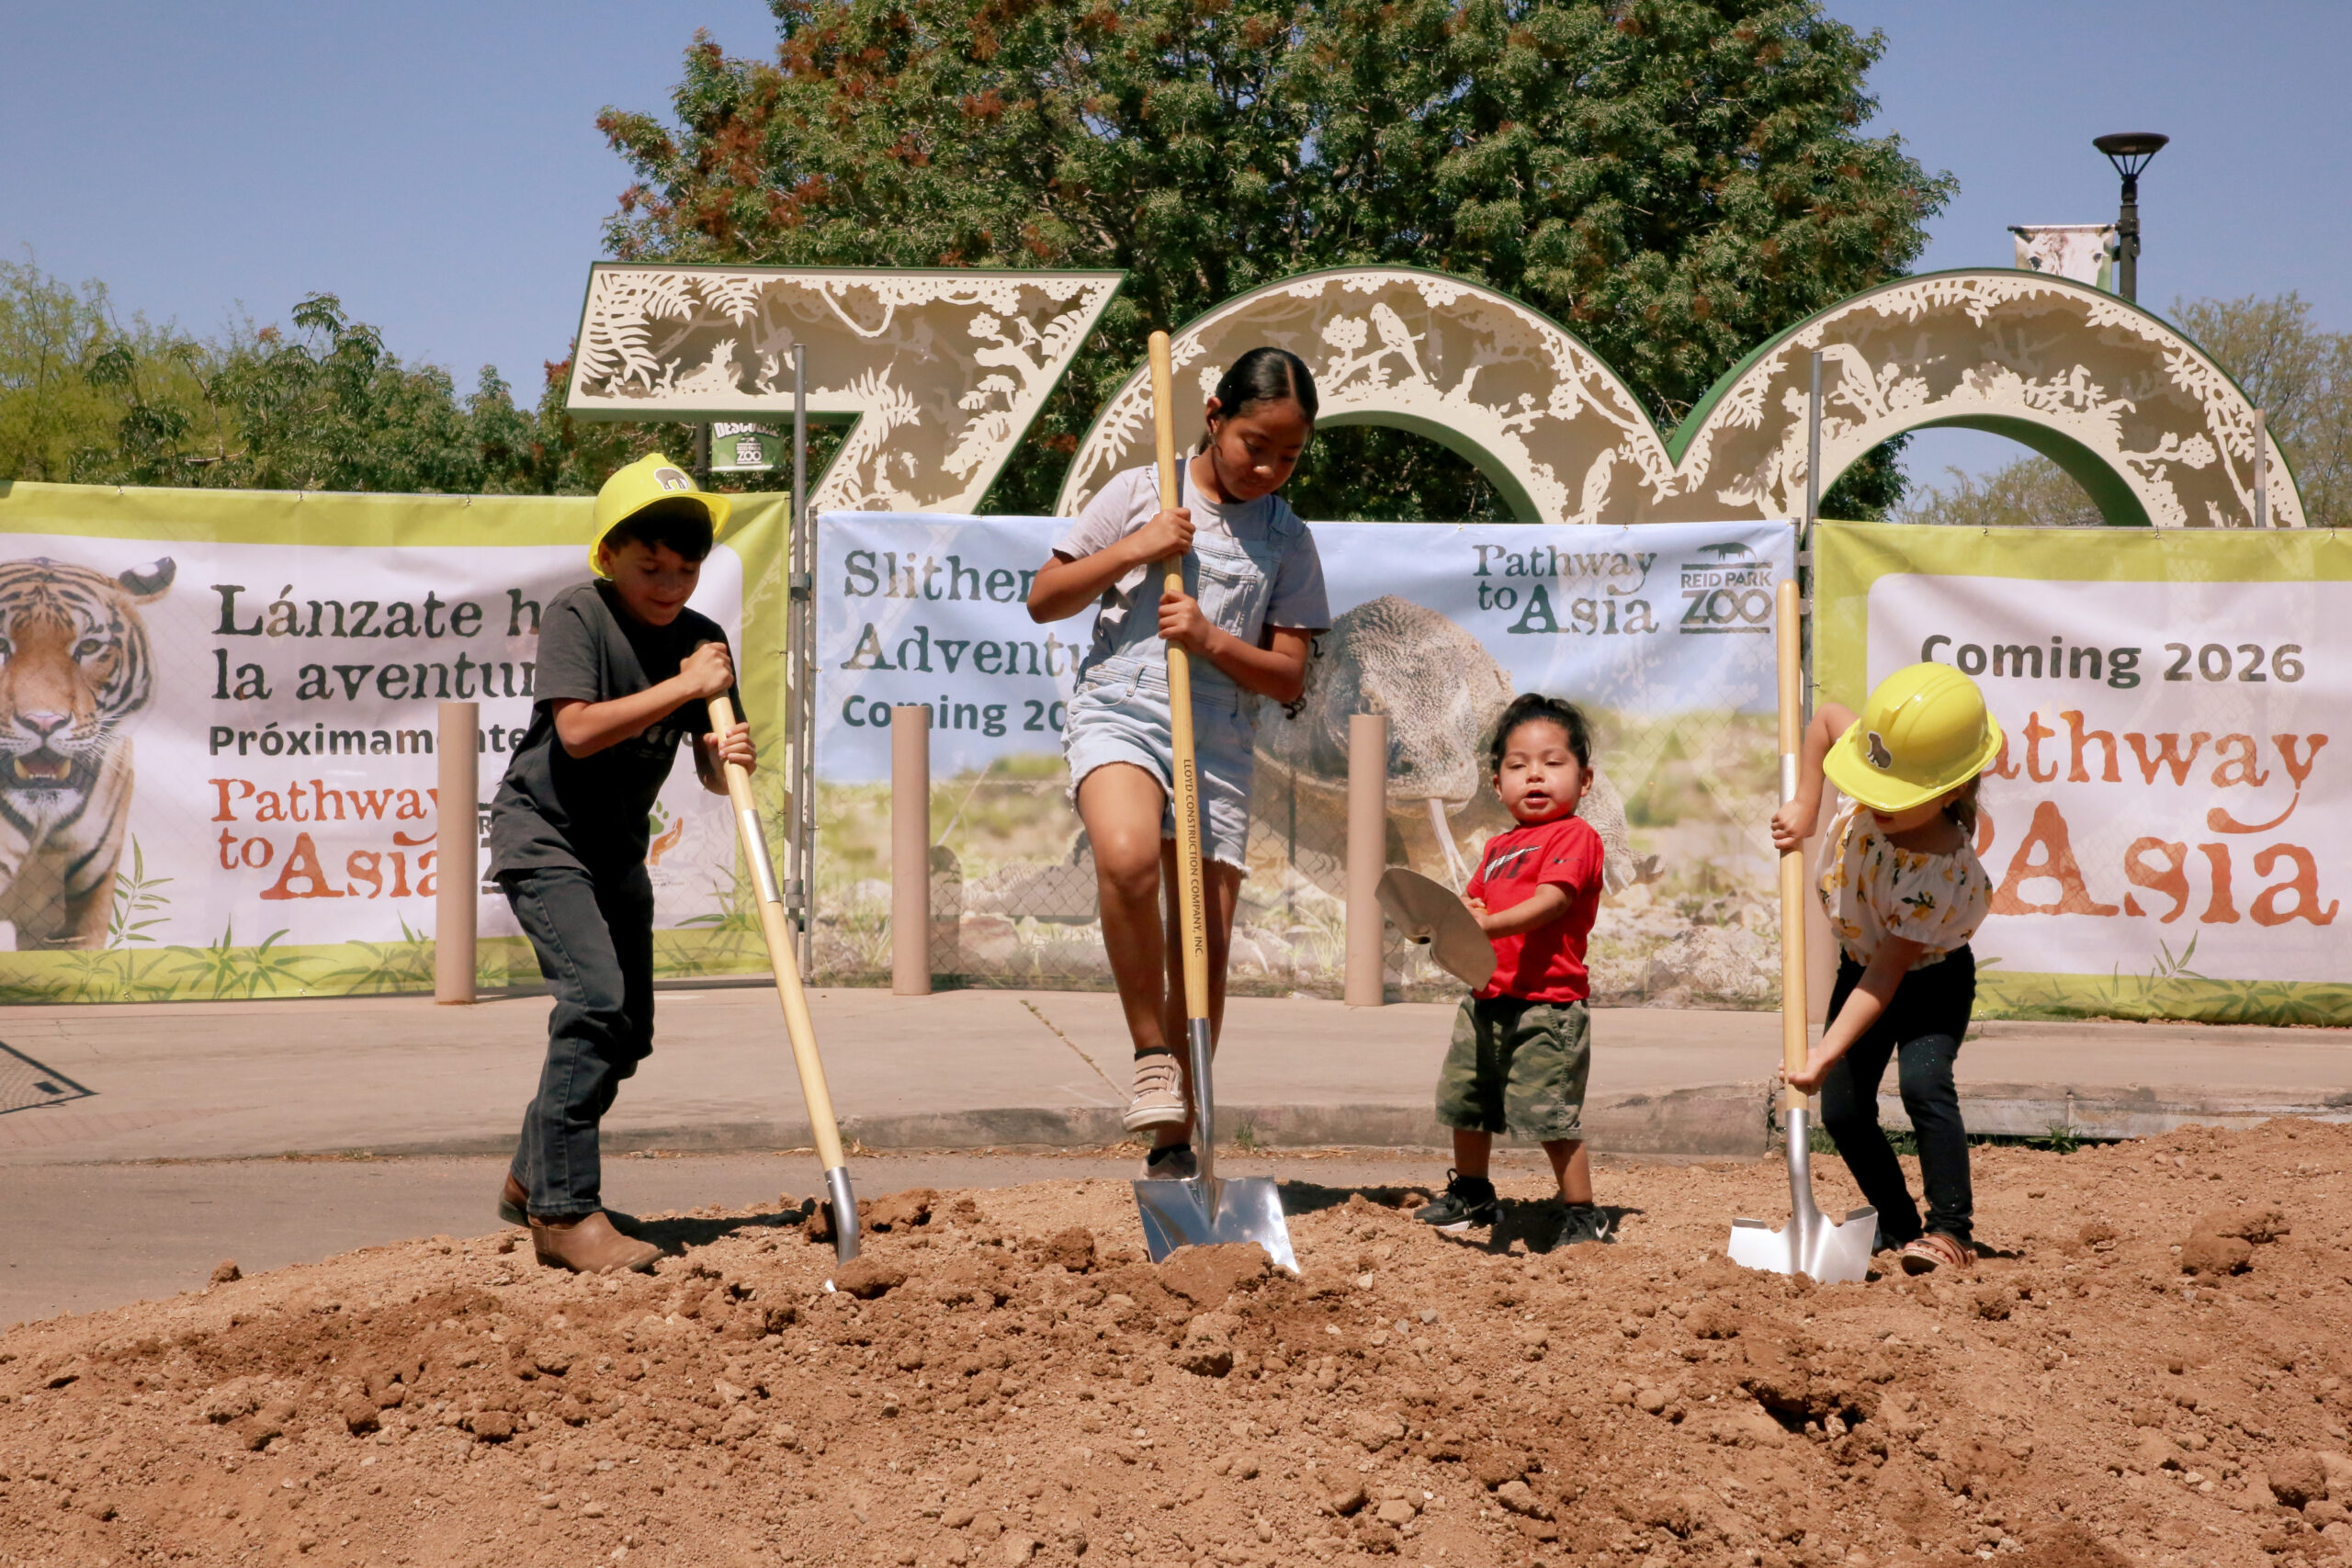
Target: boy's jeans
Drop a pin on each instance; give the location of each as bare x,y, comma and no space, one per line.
593,935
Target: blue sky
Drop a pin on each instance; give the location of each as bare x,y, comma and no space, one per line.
438,166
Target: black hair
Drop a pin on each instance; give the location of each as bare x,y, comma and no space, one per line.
1534,707
680,522
1961,809
1264,375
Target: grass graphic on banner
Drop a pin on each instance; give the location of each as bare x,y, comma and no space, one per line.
134,895
227,969
2169,988
385,966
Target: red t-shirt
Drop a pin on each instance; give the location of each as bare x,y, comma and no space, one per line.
1545,965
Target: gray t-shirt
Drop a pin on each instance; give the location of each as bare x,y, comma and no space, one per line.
1294,598
594,812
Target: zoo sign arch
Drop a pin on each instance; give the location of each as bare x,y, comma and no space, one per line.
943,371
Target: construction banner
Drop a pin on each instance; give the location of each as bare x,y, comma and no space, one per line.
1661,632
2164,830
219,717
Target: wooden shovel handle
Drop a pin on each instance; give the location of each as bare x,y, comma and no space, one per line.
1192,896
777,928
1788,634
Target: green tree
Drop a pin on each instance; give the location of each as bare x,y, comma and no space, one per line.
52,335
1673,179
324,406
2297,371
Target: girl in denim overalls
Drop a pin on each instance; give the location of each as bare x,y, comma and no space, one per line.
1254,599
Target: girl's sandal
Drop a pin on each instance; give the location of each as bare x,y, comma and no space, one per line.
1935,1250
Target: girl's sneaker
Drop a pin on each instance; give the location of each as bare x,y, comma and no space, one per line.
1177,1162
1469,1200
1585,1222
1159,1094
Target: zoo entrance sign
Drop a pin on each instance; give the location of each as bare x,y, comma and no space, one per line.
943,371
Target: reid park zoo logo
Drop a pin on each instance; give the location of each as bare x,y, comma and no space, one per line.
1728,591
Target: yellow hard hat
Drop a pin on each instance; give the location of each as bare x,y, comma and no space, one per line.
1925,731
631,489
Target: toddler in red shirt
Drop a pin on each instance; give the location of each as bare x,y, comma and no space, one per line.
1523,1045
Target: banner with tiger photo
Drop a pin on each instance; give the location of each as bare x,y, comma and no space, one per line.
218,717
2166,828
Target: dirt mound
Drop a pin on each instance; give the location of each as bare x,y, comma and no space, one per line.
1006,1382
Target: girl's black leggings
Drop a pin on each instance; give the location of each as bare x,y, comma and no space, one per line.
1922,1030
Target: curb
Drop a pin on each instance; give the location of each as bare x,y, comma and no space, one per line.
2107,1110
1716,1120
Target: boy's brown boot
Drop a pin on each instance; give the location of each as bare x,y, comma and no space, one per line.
589,1245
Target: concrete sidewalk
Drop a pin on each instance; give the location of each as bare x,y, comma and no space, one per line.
1003,1069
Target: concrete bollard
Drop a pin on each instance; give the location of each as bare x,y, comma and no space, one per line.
455,854
911,849
1367,856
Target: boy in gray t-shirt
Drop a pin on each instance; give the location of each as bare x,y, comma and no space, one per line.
625,670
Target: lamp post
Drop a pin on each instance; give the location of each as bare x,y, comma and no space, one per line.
2128,150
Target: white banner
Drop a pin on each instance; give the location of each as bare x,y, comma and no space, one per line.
280,765
1661,619
2169,774
1663,633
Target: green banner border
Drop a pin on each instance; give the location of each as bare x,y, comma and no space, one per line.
729,943
1851,556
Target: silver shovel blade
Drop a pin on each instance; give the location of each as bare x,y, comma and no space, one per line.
1205,1210
1829,1252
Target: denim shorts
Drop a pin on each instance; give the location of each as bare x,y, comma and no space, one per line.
1119,714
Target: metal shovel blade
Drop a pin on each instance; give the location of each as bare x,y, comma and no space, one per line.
1204,1210
1829,1252
1200,1210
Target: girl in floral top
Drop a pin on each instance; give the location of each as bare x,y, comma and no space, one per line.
1903,892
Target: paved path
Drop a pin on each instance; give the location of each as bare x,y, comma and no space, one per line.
140,1144
1000,1069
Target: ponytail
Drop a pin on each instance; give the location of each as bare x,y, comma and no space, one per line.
1264,375
1961,809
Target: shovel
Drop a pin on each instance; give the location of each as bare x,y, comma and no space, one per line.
1202,1209
1832,1252
1428,911
798,1025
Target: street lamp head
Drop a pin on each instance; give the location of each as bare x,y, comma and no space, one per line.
2130,150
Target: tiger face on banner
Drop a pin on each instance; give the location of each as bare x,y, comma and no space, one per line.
74,667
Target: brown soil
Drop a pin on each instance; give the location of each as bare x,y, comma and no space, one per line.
1011,1385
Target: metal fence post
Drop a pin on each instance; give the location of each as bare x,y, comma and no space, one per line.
911,849
457,860
2262,467
801,638
1367,855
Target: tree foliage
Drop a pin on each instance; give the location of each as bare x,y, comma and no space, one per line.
325,405
1672,179
2297,371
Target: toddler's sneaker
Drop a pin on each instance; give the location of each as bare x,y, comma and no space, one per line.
1159,1094
1177,1162
1585,1222
1468,1200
